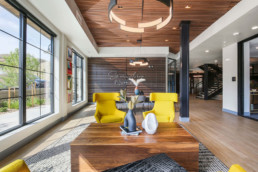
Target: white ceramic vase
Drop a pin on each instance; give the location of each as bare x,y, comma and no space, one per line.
150,123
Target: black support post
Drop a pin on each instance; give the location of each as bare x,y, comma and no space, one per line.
22,69
184,72
206,82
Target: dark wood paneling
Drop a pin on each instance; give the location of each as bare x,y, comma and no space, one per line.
99,81
201,14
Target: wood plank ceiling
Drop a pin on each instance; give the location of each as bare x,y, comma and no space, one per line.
201,14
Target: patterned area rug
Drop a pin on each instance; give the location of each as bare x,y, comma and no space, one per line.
160,163
56,157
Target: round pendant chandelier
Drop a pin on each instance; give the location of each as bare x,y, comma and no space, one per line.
158,23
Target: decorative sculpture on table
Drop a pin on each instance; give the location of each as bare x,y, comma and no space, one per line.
150,123
129,121
136,83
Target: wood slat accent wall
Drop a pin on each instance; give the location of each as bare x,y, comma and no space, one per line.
99,81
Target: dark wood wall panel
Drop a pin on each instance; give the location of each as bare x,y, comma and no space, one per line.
99,81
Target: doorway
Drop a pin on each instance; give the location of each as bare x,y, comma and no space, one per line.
249,81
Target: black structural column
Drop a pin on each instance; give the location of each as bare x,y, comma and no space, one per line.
184,72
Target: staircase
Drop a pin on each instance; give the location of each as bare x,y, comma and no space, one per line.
212,81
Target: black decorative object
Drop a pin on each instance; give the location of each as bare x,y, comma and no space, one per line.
127,132
112,3
130,121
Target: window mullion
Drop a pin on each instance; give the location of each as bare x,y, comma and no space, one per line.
52,76
22,68
75,77
81,79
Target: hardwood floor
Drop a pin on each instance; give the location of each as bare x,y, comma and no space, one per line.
231,138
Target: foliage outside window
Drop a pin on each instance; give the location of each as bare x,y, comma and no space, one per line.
38,72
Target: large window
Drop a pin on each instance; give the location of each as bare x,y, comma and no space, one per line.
77,77
26,68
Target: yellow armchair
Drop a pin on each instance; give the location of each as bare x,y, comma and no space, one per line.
236,168
17,166
106,111
164,108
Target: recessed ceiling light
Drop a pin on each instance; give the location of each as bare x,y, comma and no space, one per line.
174,28
256,48
207,51
236,33
166,40
254,27
127,40
188,7
225,42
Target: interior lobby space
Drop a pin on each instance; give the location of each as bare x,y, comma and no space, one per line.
128,86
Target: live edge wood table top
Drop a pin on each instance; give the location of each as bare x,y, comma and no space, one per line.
102,146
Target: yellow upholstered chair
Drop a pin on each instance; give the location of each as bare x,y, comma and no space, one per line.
164,108
236,168
106,111
17,166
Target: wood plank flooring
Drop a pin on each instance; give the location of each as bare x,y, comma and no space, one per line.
231,138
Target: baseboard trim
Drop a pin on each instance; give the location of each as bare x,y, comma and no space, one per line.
229,111
184,119
247,114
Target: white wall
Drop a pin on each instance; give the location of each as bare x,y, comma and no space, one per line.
230,87
13,140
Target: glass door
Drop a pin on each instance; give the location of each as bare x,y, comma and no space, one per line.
171,75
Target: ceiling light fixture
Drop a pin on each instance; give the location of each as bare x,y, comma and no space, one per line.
139,61
166,40
207,51
236,33
256,48
254,27
127,40
117,19
165,22
188,7
159,23
174,28
131,29
150,24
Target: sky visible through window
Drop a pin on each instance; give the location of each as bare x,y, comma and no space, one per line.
10,24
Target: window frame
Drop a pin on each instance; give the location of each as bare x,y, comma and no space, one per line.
76,56
23,16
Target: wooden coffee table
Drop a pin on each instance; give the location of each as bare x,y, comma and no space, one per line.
101,146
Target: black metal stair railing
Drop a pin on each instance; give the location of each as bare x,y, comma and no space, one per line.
212,81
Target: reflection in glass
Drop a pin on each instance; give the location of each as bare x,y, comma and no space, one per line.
32,85
45,41
32,107
9,50
33,33
9,19
45,104
45,62
44,83
79,79
32,58
9,113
